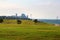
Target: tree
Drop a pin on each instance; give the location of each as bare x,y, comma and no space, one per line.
35,21
19,21
1,20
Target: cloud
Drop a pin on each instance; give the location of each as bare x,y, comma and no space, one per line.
38,8
8,5
49,9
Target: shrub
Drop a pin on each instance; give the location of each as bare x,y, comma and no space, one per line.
35,21
19,21
1,20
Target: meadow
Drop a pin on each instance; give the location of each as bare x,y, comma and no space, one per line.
10,30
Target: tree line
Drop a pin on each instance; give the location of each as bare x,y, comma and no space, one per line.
19,21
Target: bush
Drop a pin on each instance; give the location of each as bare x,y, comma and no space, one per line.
35,21
19,21
1,20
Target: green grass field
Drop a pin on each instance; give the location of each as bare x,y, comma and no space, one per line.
10,30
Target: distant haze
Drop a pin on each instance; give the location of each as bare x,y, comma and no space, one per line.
42,9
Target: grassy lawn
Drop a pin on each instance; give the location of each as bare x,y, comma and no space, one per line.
29,31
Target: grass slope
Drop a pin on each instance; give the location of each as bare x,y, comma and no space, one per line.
28,31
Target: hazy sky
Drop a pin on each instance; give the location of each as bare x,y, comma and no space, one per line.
48,9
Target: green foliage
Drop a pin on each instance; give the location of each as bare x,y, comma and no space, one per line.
19,21
1,20
35,21
24,22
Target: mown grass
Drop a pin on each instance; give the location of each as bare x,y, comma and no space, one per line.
29,31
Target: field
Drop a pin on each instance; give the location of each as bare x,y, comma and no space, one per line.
10,30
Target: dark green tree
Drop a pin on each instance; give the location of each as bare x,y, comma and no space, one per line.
35,21
19,21
1,20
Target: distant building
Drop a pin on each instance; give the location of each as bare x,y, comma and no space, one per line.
57,24
23,16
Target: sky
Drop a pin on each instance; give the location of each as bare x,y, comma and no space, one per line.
40,9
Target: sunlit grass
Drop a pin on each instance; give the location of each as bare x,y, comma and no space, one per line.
28,31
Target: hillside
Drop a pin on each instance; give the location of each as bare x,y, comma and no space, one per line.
28,31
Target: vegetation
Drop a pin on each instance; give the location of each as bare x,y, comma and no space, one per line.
35,21
1,20
27,30
19,21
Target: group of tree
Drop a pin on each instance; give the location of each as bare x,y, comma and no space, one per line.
1,20
19,21
35,21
